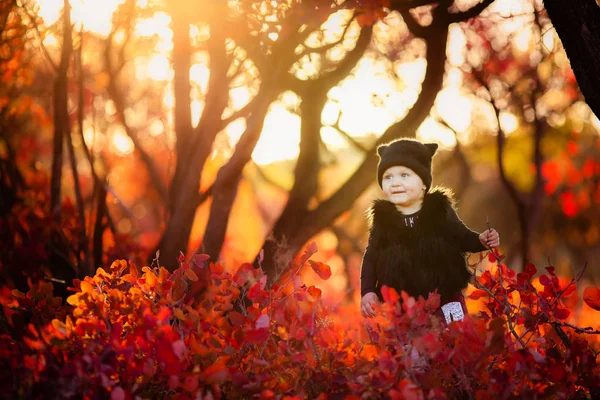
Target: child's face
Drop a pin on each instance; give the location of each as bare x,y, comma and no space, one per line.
402,186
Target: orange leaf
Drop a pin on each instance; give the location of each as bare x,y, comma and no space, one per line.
591,296
370,351
323,270
133,269
314,292
191,275
179,314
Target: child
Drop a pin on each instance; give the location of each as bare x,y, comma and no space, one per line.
417,243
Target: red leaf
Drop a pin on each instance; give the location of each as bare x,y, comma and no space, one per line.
556,372
244,273
117,393
257,336
530,270
314,292
569,291
477,294
256,294
562,313
216,373
591,296
389,294
237,318
323,270
545,280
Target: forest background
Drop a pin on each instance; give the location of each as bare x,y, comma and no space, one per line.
156,131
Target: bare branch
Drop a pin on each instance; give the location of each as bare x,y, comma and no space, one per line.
323,49
501,138
405,5
470,13
33,19
117,97
414,27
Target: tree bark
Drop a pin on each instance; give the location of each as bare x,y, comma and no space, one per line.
61,112
182,51
185,195
577,23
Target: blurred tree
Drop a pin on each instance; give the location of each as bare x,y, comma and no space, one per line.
520,78
578,26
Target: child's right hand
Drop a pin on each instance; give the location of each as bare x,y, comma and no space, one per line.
366,304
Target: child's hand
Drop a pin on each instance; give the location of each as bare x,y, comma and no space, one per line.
366,304
490,238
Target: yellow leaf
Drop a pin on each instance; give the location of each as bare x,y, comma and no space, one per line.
191,275
179,314
86,287
60,327
73,300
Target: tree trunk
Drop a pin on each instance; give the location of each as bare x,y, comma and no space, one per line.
182,52
577,23
185,187
61,112
289,239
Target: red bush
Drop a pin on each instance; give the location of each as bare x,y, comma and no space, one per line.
202,332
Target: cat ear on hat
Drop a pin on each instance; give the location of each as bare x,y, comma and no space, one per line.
432,147
381,149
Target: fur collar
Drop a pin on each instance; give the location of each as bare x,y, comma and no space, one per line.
435,206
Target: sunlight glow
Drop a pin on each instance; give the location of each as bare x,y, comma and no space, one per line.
431,131
94,15
121,143
509,122
454,108
280,137
365,103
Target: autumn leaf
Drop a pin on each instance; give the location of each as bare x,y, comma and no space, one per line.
591,296
323,270
314,293
117,394
236,318
477,294
390,295
545,280
191,275
179,314
370,351
262,321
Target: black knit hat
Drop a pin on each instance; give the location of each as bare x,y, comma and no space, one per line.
409,153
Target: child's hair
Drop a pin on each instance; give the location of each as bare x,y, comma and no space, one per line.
409,153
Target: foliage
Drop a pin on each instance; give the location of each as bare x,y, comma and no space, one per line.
201,332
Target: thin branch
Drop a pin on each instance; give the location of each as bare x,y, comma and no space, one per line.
120,107
470,13
241,113
324,48
587,330
507,308
79,199
414,27
348,137
405,5
32,18
501,138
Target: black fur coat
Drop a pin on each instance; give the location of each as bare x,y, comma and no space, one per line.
420,252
